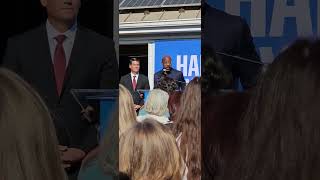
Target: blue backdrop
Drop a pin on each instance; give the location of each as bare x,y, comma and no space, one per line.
275,23
185,54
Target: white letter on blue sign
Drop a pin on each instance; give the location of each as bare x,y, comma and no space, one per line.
300,11
183,65
194,66
266,54
258,14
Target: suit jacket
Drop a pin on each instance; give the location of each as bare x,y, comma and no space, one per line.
174,74
92,65
231,34
142,83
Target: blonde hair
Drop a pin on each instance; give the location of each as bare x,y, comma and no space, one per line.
29,146
127,114
157,103
149,151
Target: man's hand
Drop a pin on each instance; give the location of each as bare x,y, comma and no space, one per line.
88,114
136,107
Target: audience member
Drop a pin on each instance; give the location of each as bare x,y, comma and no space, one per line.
187,129
214,75
174,104
127,113
220,118
29,146
149,151
220,115
156,107
280,131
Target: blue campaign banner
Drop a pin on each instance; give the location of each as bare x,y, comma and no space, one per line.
275,24
185,54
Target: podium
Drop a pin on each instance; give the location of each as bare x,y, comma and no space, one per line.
105,99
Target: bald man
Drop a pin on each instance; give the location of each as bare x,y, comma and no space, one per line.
169,72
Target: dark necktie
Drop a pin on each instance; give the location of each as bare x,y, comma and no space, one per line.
134,83
59,63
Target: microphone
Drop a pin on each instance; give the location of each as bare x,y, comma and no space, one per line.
241,58
165,71
182,82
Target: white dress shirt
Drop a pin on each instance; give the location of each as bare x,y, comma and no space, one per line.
67,44
137,76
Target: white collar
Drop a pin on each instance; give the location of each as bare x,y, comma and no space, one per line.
134,74
52,32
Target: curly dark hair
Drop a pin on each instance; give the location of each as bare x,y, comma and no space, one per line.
167,84
214,75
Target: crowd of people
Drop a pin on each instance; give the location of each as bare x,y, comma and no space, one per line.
270,131
161,141
203,132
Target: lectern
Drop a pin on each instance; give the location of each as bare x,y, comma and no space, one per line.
105,98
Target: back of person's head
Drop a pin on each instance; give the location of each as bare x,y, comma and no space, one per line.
148,151
214,75
220,119
188,122
29,147
167,84
281,126
127,114
174,104
157,102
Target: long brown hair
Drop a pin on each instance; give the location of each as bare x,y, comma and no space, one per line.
174,104
188,123
280,131
149,151
29,147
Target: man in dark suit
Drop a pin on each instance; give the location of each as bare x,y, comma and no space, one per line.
59,56
231,35
169,72
135,81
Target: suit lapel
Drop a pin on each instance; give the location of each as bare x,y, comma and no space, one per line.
79,46
45,62
129,82
139,82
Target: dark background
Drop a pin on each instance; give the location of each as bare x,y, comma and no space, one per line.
129,51
18,16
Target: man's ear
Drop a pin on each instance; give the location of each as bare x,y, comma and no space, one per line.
44,3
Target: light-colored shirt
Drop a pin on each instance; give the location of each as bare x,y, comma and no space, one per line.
67,44
160,119
137,76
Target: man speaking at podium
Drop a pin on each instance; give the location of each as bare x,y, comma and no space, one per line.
56,57
169,72
231,35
